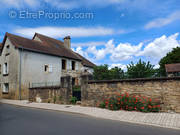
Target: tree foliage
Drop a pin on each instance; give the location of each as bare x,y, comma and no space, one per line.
140,70
103,73
170,58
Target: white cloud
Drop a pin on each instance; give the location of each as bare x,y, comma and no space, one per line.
122,66
125,51
19,3
88,44
160,22
121,52
59,32
160,46
101,53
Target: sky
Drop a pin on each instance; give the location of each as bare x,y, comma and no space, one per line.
113,32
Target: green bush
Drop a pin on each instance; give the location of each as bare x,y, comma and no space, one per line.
54,99
73,100
130,103
102,105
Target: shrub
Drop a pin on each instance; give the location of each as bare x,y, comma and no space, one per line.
54,99
60,98
130,103
73,100
102,105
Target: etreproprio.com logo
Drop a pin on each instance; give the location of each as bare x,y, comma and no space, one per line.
25,14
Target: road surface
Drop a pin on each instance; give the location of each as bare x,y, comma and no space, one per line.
16,120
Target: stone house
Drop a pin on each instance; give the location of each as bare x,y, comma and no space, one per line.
173,69
36,62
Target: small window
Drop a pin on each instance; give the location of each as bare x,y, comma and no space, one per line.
6,88
0,69
5,69
64,64
46,68
73,65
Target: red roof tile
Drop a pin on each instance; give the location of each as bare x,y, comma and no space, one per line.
170,68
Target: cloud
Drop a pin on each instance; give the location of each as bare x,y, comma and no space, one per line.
19,3
59,32
122,66
160,22
160,46
88,44
112,53
125,51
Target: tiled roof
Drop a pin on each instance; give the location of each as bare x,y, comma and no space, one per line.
47,46
41,47
170,68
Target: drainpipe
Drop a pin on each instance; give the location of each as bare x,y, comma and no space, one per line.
20,58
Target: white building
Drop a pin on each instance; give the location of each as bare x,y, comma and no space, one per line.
36,62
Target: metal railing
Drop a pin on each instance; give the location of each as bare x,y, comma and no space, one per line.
44,84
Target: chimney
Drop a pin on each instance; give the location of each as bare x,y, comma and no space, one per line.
67,42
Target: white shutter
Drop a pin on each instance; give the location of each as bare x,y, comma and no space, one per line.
76,65
50,68
70,64
4,70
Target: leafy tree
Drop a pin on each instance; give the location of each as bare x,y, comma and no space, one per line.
170,58
116,73
140,70
103,73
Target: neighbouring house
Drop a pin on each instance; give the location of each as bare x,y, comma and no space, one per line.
36,62
173,69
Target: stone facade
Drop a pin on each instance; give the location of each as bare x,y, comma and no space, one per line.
166,90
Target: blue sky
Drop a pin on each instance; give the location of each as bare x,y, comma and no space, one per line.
113,32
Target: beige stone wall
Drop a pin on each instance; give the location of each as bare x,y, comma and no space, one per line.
48,94
166,90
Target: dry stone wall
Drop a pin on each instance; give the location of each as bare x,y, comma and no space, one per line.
166,90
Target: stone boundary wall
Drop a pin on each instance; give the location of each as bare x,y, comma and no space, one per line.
166,90
59,94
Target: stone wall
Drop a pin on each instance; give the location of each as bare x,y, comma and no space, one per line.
166,90
58,94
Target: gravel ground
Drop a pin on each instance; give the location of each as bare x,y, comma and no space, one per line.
166,120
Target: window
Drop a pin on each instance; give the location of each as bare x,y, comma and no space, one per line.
6,88
73,65
48,68
5,69
0,69
64,64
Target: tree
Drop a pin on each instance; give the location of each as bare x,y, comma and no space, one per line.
103,73
140,70
170,58
116,73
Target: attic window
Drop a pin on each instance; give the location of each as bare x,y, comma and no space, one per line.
73,65
64,64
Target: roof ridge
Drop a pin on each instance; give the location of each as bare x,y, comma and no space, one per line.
49,37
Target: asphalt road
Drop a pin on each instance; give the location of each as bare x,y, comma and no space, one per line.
16,120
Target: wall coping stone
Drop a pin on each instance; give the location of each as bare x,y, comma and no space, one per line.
47,87
135,80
